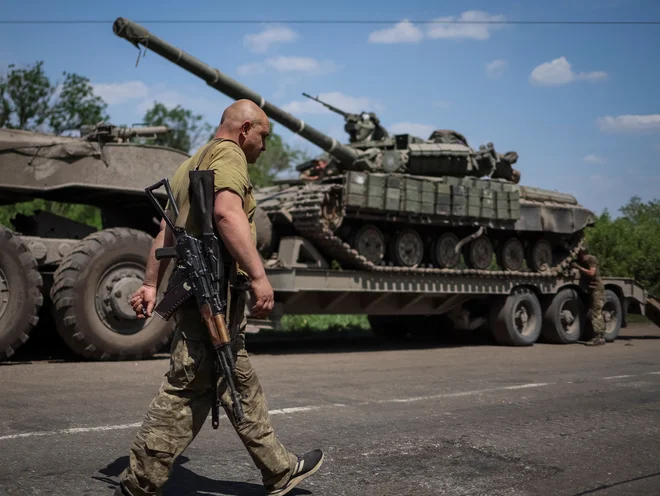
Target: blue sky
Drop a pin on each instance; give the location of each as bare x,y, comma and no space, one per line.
579,103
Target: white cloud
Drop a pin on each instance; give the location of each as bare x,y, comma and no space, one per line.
287,65
466,31
337,99
419,130
496,68
559,72
403,32
251,69
113,93
594,159
630,123
261,42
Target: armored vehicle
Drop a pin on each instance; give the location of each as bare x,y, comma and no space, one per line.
402,203
88,274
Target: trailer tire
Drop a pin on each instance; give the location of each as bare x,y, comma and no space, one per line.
90,293
555,321
20,293
612,315
520,309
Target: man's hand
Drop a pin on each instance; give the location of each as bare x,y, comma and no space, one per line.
264,297
145,297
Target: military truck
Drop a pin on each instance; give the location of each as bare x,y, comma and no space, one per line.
84,275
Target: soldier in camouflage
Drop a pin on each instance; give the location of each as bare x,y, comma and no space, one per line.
589,268
182,405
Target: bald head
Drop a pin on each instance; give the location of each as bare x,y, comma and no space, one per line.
246,124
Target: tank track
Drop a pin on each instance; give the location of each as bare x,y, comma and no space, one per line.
307,216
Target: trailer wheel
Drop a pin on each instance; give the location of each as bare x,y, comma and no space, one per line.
91,292
564,319
20,293
516,321
612,315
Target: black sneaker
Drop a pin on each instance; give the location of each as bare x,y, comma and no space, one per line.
306,466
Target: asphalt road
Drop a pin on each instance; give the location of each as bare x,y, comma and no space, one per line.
464,418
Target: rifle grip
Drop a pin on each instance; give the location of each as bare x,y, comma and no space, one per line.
201,194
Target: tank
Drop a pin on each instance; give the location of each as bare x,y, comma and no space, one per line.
84,275
385,202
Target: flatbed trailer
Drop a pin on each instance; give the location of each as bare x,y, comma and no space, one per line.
518,310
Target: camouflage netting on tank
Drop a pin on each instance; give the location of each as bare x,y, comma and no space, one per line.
45,145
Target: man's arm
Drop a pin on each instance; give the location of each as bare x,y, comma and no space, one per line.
146,294
234,229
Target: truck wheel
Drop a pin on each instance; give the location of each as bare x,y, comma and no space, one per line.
20,293
91,292
612,315
516,321
564,319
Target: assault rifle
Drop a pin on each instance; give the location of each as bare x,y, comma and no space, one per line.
200,272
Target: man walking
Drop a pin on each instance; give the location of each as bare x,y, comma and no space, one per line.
597,291
178,412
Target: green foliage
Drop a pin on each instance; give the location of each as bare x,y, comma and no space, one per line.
25,96
188,130
76,105
296,323
81,213
628,246
279,157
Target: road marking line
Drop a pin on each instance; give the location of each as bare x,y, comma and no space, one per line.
282,411
453,395
75,430
618,377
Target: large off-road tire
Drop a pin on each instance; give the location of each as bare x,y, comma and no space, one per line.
516,319
91,292
564,319
20,293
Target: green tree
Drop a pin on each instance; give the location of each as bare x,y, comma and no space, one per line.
76,105
279,157
628,246
188,130
26,97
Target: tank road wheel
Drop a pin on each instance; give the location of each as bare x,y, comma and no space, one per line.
408,248
444,254
540,256
20,293
511,255
369,242
516,320
612,315
91,292
564,319
479,253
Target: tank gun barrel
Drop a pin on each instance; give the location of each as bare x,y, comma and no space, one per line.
327,105
129,132
137,34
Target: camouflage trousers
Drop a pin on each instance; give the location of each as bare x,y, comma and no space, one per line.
596,310
182,405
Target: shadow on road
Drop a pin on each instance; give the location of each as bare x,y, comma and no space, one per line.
185,482
49,347
607,486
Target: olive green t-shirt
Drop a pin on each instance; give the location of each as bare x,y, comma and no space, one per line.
229,164
592,263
